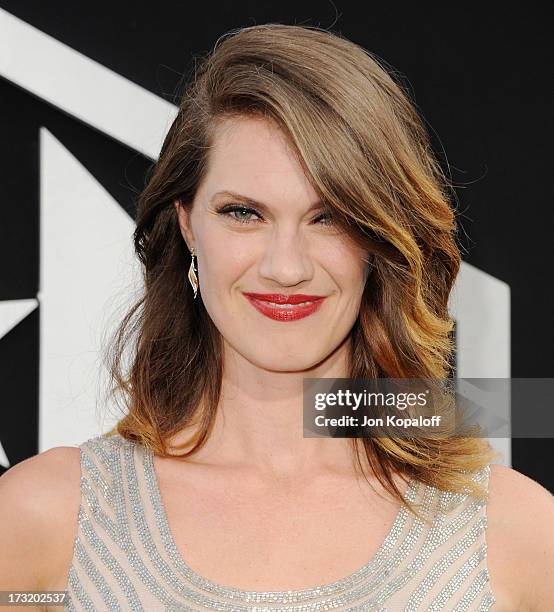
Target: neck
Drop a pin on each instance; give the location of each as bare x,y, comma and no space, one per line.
259,421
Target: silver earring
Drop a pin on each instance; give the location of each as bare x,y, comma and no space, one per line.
193,279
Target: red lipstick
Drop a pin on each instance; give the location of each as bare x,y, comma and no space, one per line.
280,307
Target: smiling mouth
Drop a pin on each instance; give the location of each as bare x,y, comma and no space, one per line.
288,305
280,298
296,307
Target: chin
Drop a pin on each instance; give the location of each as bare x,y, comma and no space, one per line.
285,362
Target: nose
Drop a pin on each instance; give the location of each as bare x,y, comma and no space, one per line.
285,260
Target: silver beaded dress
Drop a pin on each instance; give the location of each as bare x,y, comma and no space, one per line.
125,558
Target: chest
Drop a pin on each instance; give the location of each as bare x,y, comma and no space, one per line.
255,535
274,537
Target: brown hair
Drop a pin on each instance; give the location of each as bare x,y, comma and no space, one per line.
365,149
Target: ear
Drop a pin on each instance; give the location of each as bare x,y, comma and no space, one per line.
183,217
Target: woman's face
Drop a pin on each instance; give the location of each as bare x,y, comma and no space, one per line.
286,248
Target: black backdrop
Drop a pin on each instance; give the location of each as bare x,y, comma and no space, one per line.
480,79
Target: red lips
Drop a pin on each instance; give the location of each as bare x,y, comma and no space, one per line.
285,307
280,298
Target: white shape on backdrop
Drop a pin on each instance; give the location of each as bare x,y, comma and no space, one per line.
78,278
13,312
480,303
86,262
82,87
4,461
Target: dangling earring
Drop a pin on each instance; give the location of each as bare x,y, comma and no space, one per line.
193,279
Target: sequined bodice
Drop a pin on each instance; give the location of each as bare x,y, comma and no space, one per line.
125,557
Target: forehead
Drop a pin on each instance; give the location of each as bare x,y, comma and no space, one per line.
252,155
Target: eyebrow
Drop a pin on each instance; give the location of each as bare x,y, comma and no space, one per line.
260,205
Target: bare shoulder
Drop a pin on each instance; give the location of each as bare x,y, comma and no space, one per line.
520,538
39,506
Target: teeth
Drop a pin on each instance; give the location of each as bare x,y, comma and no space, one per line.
287,305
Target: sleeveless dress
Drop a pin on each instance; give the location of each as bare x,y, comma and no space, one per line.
125,558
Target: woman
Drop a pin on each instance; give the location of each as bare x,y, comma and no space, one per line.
297,170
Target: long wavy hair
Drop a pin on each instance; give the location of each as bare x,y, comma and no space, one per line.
364,147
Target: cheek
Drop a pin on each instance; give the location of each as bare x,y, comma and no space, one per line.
220,272
349,267
223,243
218,262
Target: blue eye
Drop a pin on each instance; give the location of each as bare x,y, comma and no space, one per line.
328,219
245,211
228,210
